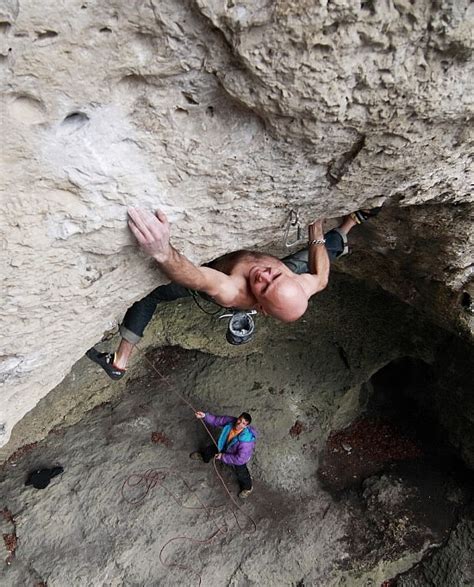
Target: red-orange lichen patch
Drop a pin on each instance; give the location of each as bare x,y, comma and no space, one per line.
20,452
362,449
375,439
10,543
161,438
296,429
7,515
9,539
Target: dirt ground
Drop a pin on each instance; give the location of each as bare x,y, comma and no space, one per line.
131,508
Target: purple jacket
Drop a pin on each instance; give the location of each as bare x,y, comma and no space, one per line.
239,450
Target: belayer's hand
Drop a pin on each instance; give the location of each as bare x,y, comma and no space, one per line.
200,415
152,232
218,456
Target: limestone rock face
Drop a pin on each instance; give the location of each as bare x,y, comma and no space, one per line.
227,115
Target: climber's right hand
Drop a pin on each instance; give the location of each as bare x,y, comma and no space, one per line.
152,232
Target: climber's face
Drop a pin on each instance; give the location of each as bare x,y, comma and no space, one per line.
277,291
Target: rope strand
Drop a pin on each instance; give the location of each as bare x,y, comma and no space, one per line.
155,477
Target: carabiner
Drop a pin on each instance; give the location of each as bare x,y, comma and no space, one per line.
293,220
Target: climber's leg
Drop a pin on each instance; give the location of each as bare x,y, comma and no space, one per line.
134,323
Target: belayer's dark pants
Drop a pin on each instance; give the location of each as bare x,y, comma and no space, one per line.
241,471
139,315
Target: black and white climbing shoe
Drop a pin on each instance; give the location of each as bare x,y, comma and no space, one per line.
361,216
196,456
106,361
245,493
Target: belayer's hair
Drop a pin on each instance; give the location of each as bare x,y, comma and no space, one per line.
246,416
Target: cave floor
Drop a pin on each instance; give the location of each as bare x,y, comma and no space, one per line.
183,529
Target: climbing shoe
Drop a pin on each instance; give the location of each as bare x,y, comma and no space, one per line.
245,493
362,216
106,361
196,456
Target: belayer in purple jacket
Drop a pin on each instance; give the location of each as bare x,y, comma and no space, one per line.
234,446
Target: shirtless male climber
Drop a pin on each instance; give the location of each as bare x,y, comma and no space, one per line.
244,279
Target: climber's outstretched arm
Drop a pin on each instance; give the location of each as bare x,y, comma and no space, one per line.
318,261
152,232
